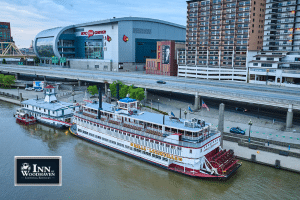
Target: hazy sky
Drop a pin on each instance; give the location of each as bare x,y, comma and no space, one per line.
28,17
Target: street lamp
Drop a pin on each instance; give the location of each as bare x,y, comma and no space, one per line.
73,93
158,104
250,124
185,113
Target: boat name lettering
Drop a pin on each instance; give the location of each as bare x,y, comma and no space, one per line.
160,153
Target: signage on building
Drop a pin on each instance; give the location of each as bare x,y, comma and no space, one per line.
108,38
91,33
125,38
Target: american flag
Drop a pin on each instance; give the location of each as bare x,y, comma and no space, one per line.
204,105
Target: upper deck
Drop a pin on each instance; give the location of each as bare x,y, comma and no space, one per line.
167,128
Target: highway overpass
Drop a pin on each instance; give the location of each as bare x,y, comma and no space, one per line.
283,97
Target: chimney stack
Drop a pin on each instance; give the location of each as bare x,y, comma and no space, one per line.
100,103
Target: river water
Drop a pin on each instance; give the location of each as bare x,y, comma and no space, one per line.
92,172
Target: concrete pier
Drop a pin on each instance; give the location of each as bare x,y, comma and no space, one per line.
105,88
289,117
221,121
79,83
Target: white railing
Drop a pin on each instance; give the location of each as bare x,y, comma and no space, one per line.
118,135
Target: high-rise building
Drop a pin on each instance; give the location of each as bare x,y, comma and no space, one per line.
5,33
220,34
279,62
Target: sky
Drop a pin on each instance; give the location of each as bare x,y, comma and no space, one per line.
28,17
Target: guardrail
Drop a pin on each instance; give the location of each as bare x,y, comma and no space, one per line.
258,144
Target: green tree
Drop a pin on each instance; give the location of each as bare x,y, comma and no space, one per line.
140,94
135,93
4,61
113,88
124,91
1,80
8,81
93,89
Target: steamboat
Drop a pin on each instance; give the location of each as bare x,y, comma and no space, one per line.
48,111
189,147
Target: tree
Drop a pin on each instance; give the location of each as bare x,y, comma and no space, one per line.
135,93
113,88
124,91
93,89
9,80
1,80
140,94
4,61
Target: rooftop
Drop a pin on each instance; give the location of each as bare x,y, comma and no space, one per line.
40,103
150,118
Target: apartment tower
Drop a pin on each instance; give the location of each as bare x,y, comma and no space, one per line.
220,34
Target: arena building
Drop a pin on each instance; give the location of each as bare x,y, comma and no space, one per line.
117,44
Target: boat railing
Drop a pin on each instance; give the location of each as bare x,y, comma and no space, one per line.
156,137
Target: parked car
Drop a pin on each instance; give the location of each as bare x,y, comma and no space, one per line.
29,88
241,109
161,82
39,90
237,130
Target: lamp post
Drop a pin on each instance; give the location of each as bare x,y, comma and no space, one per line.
250,124
73,93
158,104
185,113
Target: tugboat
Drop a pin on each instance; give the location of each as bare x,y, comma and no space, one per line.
189,147
49,111
24,118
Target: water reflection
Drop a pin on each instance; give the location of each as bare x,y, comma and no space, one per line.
50,135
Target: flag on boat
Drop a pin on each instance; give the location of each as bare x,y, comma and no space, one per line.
172,114
190,109
204,105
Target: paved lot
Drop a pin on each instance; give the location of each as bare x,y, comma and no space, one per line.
261,128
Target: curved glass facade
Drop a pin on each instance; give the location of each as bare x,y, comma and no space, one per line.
44,47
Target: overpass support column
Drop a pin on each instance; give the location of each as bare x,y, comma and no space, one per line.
289,117
145,93
105,88
17,76
197,101
79,83
221,121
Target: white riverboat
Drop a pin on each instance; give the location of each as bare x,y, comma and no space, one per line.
190,147
49,110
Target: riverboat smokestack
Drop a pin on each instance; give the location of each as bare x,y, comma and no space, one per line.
100,103
118,96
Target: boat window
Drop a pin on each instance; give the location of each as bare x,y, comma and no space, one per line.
101,126
44,110
137,137
151,141
179,148
156,142
147,140
98,125
172,147
167,145
191,151
132,135
104,127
